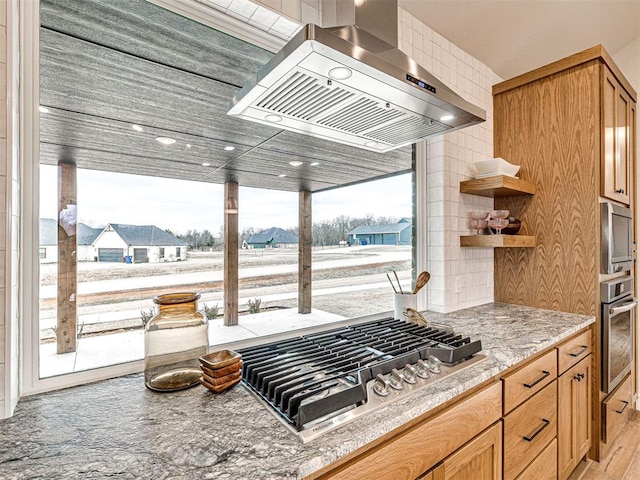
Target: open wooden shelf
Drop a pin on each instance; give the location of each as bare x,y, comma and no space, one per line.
498,186
498,241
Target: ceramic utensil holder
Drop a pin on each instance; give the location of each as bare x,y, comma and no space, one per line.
402,301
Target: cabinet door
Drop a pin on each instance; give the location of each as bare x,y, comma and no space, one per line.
480,459
574,415
616,164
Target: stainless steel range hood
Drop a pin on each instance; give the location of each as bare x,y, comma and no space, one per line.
346,85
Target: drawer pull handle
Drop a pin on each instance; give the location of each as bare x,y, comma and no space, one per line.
545,424
579,352
545,374
626,404
579,377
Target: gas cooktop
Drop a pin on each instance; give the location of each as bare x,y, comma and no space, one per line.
318,382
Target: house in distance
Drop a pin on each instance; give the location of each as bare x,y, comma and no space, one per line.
114,243
272,238
392,234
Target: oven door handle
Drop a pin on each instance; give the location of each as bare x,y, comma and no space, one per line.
623,308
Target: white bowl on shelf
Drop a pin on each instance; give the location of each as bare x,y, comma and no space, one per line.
495,166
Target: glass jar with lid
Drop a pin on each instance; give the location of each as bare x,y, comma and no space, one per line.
173,340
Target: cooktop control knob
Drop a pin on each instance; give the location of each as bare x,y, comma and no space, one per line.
410,374
422,369
395,380
381,385
434,364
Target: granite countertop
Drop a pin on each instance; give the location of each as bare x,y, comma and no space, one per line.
119,428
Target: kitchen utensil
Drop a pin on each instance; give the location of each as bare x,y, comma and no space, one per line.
402,301
220,388
173,340
421,281
392,285
498,224
512,228
220,359
221,372
397,280
495,166
499,213
479,220
416,317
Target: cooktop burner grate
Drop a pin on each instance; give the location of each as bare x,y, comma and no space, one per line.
307,378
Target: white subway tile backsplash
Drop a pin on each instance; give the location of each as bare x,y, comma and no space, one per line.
449,161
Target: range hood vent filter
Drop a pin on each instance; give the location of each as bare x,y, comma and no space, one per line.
388,100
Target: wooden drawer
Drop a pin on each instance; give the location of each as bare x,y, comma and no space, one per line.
616,409
528,380
573,350
409,454
529,429
545,465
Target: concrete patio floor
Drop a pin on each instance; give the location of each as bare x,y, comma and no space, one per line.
102,350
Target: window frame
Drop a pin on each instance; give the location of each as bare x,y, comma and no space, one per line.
29,119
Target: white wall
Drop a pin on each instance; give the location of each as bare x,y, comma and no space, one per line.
628,60
460,277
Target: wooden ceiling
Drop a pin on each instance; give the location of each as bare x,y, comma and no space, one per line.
106,66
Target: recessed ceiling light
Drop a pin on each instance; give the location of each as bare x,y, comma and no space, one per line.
314,164
205,164
273,118
446,118
166,140
43,109
229,148
188,145
295,163
340,73
370,144
137,128
282,175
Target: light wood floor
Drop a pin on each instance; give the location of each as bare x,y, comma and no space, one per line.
623,461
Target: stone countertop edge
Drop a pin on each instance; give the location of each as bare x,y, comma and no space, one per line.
119,428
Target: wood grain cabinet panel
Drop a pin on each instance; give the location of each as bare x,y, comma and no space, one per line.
544,467
616,409
528,380
574,416
411,453
529,429
574,350
480,459
616,164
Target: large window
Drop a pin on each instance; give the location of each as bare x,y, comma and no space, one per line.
147,177
125,224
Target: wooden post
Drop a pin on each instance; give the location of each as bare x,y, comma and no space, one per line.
66,332
304,252
231,254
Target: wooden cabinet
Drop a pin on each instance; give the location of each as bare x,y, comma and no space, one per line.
574,350
480,459
528,380
570,125
544,467
529,429
616,409
420,448
618,111
574,416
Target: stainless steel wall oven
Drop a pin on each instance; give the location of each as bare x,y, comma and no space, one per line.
618,319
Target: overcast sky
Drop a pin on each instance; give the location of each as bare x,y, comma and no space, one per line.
180,205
